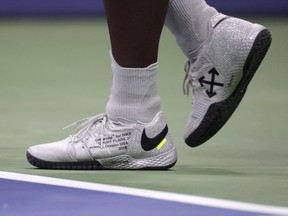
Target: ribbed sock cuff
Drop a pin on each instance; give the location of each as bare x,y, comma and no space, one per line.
134,94
189,23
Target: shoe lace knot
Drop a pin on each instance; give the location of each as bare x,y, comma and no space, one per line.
189,78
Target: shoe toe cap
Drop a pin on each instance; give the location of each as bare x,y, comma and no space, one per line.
52,152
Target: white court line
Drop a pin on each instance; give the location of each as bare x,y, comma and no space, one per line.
188,199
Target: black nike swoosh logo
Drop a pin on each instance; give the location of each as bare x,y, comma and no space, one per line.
150,143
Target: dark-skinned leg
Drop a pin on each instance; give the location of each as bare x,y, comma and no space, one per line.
135,27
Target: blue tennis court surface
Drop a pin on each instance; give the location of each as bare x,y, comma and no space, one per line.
31,198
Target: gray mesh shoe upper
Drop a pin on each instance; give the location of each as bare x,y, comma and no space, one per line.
216,69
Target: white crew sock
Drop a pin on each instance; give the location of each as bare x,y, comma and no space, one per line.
134,94
188,21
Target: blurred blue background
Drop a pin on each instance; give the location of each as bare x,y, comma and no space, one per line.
12,8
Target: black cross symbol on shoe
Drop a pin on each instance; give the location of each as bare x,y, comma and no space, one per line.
212,82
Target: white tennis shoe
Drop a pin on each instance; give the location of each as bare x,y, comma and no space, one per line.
101,143
219,74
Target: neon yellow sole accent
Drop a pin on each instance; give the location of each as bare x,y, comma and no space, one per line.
161,144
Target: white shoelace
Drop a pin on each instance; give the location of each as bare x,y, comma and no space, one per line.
84,128
189,78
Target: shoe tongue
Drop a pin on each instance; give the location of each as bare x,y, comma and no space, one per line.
110,124
216,19
120,122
